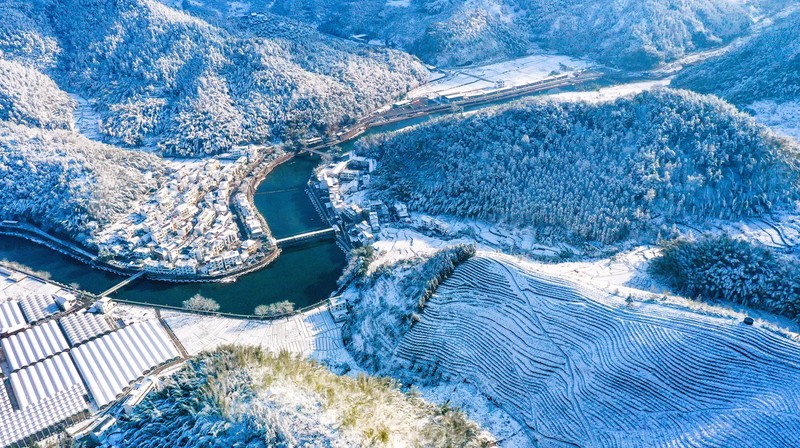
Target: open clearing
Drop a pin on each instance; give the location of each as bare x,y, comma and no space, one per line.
488,78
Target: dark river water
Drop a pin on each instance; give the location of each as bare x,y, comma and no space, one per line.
302,274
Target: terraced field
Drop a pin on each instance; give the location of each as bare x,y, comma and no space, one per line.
579,368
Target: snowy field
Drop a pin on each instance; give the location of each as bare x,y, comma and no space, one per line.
783,118
623,274
582,368
488,78
780,231
310,334
610,93
14,284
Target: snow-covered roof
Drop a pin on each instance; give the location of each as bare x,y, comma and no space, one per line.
11,315
110,363
34,344
82,326
38,306
44,379
47,393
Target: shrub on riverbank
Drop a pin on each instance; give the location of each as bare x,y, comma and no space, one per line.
200,303
723,268
274,309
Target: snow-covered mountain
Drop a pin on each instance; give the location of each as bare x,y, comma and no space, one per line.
52,176
626,33
162,77
602,172
766,67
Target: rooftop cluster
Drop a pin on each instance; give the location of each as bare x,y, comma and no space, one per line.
188,227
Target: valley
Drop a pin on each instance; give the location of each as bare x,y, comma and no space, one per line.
399,223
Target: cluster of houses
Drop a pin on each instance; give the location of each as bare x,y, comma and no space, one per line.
187,227
360,216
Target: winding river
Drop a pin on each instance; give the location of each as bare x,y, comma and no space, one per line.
301,274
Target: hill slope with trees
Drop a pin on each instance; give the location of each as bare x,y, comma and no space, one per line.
599,172
238,396
165,78
631,34
50,175
766,67
62,182
722,268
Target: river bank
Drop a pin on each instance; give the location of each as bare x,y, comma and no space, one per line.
303,274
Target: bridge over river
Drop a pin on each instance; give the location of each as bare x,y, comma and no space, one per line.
307,236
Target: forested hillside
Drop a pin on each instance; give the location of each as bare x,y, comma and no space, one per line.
240,396
50,175
723,268
163,77
63,182
604,172
766,67
31,98
627,33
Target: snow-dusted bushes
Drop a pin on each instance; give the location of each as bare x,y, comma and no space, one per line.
604,172
25,35
200,303
387,303
241,396
722,268
274,309
357,265
199,88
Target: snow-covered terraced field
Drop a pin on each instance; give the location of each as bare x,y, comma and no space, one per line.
580,368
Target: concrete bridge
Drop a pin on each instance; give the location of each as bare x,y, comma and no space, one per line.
121,284
308,236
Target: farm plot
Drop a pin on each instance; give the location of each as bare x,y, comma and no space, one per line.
576,367
486,78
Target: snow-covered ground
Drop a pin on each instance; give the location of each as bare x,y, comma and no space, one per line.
610,93
783,118
576,366
488,78
779,231
87,120
311,334
621,275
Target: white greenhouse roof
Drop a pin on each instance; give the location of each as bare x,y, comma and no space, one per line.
11,315
38,306
110,363
34,344
44,379
82,326
39,412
